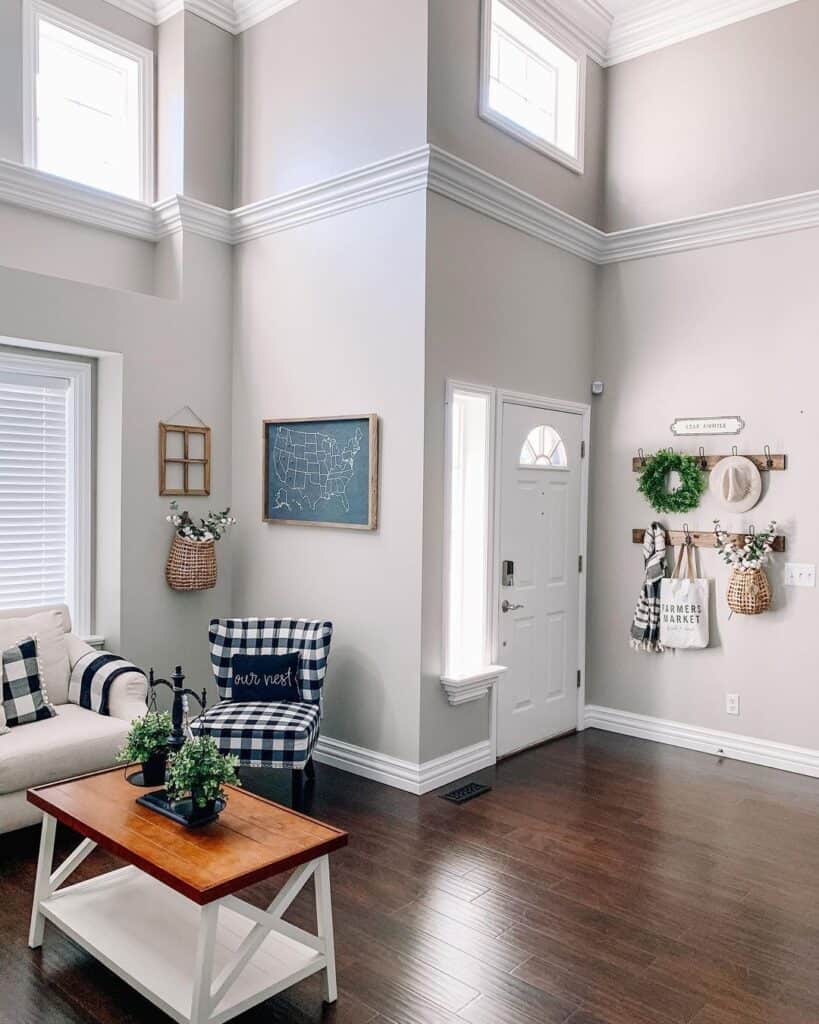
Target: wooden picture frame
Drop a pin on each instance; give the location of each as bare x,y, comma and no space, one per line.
317,477
185,460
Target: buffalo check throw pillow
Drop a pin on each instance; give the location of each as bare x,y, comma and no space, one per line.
24,694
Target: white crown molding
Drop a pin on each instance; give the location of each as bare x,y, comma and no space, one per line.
250,12
589,24
652,26
231,15
409,776
424,168
374,183
802,760
739,223
180,213
470,186
46,193
584,23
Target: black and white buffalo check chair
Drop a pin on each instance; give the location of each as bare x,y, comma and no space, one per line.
276,734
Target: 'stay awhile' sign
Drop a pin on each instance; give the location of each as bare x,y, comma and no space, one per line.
707,425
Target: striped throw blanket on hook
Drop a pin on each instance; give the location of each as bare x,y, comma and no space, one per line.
92,676
645,628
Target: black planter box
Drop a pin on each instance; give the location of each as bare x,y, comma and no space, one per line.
182,811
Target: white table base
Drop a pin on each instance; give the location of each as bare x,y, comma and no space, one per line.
201,965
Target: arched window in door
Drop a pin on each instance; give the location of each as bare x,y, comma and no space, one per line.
543,449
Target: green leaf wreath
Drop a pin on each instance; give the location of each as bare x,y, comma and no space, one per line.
653,482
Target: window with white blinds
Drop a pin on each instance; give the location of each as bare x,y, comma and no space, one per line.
44,484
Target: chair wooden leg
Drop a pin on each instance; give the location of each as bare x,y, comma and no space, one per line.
310,770
298,781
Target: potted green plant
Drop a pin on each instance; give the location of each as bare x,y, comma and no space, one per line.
147,742
195,776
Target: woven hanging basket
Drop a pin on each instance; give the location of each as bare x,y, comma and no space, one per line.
749,592
191,564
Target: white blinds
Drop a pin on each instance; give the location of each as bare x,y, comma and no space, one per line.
35,500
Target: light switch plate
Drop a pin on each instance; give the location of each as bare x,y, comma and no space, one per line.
800,574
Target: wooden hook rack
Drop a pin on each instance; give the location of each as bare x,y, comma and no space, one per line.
764,463
701,539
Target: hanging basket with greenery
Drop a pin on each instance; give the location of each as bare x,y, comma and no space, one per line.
653,481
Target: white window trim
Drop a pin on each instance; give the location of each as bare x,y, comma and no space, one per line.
532,12
461,689
32,11
79,373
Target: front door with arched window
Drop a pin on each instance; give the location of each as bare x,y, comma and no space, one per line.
540,508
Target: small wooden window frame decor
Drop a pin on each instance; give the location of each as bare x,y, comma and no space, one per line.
186,461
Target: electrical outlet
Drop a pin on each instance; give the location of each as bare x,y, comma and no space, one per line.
800,574
732,703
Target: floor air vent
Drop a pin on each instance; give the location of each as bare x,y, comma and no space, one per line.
466,792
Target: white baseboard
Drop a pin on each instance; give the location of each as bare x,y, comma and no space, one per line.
801,760
407,775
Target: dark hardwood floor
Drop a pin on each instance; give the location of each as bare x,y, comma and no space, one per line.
604,880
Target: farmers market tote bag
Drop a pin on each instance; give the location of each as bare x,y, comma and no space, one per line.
684,605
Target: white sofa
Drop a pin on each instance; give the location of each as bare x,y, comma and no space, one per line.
73,742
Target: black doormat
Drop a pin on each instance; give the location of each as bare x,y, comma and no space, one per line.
466,792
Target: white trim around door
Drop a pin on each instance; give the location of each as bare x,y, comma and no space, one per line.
583,410
464,687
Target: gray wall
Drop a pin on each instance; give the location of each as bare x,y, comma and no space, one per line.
210,111
330,321
721,120
170,353
731,329
454,125
328,87
506,310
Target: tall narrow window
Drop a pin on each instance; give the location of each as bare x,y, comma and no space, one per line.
89,103
532,86
45,456
470,431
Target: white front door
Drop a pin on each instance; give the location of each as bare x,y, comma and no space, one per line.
538,598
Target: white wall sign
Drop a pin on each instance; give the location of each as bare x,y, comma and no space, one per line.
708,425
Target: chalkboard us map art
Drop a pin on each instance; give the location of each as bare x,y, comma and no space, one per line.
322,471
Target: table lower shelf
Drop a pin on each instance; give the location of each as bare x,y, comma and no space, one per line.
146,933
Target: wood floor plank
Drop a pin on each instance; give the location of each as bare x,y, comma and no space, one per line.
603,880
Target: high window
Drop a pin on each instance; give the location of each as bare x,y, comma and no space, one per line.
45,484
532,86
88,98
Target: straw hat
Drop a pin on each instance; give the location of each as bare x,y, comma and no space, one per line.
736,483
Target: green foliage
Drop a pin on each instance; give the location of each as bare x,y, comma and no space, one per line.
753,554
146,736
212,527
199,770
653,482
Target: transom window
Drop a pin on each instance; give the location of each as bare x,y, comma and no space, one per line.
89,103
544,449
532,86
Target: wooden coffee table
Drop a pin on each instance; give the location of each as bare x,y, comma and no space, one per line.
170,923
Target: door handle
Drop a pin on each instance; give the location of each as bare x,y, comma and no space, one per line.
507,606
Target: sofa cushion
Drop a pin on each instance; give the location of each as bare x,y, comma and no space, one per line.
52,651
76,741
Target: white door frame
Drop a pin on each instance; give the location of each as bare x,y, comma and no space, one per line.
583,409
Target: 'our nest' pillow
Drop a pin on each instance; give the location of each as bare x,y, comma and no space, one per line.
265,677
25,698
